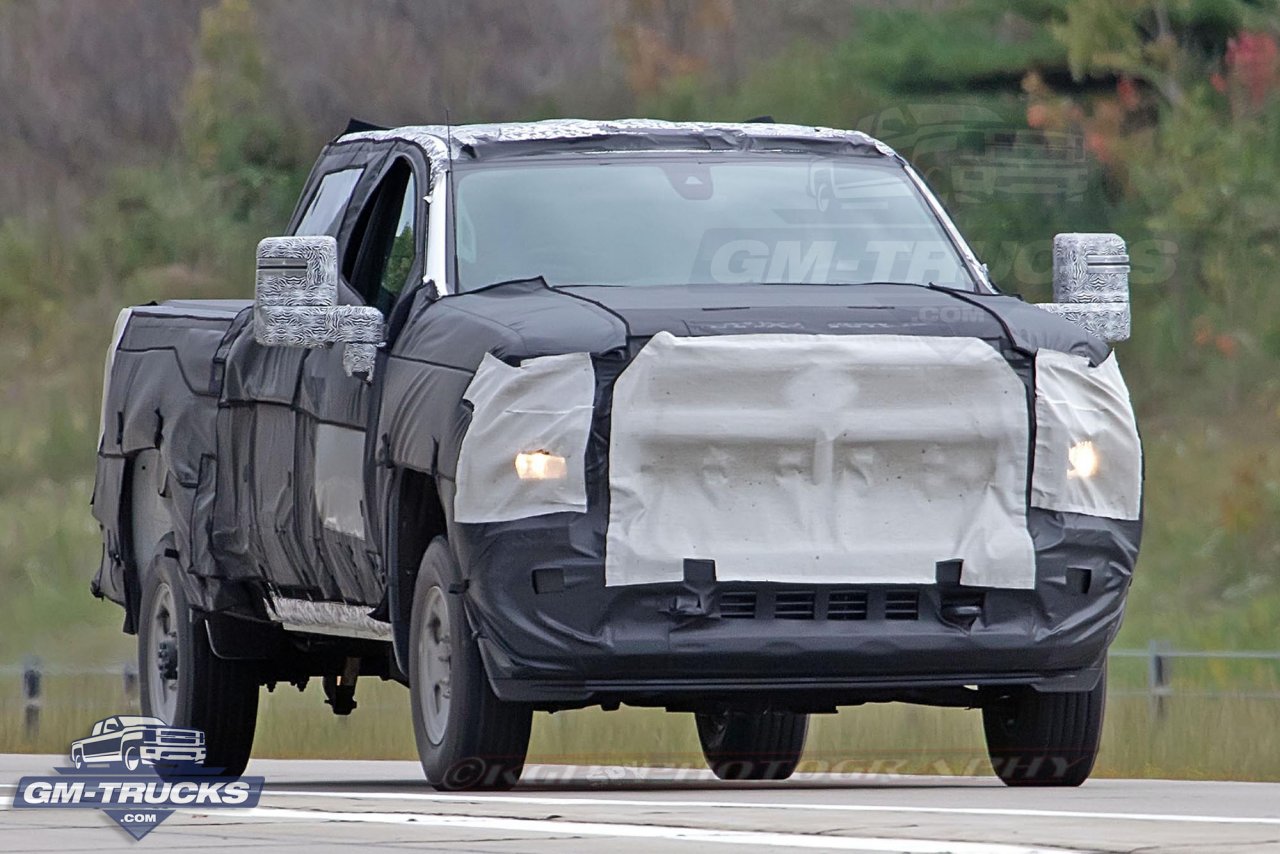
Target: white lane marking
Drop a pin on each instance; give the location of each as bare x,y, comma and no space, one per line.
651,831
764,805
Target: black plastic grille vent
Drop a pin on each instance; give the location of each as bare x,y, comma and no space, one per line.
738,604
902,605
847,605
794,605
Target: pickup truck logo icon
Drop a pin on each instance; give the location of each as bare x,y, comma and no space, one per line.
132,741
138,771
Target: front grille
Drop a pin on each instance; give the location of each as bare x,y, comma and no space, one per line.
847,605
902,605
794,605
738,604
841,605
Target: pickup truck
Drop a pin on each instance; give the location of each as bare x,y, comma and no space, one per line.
541,416
136,740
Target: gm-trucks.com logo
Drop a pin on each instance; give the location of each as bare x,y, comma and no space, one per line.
138,770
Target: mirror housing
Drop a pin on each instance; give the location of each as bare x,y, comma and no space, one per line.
296,303
1091,283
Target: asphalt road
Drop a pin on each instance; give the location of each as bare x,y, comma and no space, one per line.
316,806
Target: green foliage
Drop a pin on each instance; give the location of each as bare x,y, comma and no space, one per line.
183,227
234,127
965,49
894,55
1209,186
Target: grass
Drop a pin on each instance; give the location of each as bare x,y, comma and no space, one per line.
874,739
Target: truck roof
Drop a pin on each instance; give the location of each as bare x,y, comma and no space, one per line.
443,144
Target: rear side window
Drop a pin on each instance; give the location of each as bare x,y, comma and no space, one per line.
324,214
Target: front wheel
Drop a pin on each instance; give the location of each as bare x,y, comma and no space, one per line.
752,745
184,683
467,738
1037,739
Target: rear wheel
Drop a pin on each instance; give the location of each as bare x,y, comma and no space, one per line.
182,681
752,745
467,738
1037,739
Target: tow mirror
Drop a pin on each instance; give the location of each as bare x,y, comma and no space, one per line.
1091,283
296,303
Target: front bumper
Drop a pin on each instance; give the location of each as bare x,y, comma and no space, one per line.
552,634
171,753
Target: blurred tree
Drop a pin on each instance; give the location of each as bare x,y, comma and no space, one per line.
662,40
234,126
1189,129
1168,44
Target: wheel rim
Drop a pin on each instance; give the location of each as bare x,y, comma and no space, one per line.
162,657
435,653
131,759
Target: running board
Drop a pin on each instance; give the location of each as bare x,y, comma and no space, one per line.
327,618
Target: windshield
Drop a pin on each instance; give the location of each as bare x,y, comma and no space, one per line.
688,219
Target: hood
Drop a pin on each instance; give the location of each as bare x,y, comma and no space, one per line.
518,320
840,310
812,309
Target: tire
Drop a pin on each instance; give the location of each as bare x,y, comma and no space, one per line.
77,758
1037,739
132,758
182,682
467,738
752,745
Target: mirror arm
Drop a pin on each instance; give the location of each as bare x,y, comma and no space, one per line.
295,303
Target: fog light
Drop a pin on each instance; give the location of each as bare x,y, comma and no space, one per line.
539,465
1084,460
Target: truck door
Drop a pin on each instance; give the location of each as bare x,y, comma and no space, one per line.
379,254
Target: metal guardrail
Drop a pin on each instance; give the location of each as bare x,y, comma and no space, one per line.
1159,656
33,673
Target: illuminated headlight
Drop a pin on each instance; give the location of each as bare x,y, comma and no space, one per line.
539,465
1088,458
1083,458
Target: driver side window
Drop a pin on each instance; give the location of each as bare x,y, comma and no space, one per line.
380,254
400,259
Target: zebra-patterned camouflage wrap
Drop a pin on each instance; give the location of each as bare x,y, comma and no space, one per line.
358,360
316,326
332,618
300,271
1108,320
434,139
1091,283
1090,268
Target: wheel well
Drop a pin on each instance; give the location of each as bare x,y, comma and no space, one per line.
133,561
418,518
